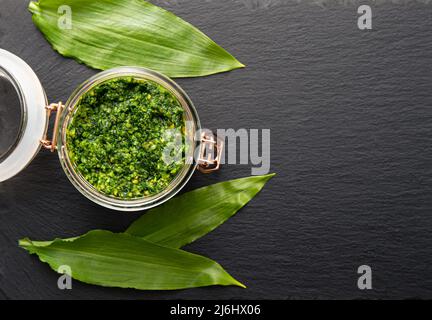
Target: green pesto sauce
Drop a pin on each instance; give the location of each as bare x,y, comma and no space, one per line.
119,134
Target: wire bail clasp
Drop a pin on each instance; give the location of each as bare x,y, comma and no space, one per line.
58,108
210,153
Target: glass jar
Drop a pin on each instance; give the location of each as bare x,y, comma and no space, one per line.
23,99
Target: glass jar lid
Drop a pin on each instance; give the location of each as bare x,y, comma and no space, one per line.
23,117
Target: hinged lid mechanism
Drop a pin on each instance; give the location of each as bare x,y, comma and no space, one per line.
23,117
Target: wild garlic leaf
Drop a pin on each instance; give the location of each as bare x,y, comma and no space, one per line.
192,215
142,257
120,260
109,33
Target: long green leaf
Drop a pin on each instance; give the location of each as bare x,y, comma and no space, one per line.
192,215
120,260
110,33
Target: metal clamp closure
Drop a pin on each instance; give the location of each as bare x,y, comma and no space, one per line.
52,144
210,153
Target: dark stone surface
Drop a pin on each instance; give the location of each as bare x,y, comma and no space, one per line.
351,119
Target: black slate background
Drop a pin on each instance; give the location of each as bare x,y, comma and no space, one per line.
351,119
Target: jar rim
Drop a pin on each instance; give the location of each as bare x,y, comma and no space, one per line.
88,190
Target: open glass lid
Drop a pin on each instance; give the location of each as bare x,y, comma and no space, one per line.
23,117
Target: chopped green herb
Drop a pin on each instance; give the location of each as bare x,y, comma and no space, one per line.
120,134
